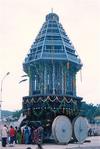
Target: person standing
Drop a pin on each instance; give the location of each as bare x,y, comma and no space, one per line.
12,135
16,129
19,136
22,134
40,133
4,135
26,134
38,137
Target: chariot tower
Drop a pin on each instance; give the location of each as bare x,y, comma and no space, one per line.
52,62
51,65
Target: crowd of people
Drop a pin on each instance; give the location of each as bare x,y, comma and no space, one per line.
23,135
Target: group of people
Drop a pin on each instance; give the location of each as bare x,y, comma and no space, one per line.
23,135
8,135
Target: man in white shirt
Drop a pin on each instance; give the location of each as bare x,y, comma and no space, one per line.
4,135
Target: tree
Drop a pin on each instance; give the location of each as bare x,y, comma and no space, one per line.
90,111
17,114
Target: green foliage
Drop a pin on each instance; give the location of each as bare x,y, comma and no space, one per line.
17,114
90,111
97,111
6,113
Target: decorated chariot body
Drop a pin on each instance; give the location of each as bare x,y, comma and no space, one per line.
51,65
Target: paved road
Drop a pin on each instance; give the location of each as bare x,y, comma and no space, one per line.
94,144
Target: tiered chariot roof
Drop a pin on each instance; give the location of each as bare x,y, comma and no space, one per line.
52,62
52,42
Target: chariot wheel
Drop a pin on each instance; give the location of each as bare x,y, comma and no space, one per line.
80,129
62,129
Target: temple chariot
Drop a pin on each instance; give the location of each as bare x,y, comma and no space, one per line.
51,65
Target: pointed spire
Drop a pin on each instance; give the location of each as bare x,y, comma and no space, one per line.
51,10
53,35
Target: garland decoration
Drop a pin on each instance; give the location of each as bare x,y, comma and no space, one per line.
56,98
56,104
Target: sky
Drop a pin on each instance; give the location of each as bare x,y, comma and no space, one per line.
20,22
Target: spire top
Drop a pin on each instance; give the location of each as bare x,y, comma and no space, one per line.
51,10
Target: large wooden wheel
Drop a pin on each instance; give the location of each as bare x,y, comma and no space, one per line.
62,129
80,129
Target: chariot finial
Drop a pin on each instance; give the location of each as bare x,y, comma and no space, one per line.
51,10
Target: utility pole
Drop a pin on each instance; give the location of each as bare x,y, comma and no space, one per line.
1,89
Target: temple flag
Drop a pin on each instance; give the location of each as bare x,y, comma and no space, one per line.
22,81
24,76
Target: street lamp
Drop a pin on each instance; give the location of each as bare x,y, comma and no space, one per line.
1,93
